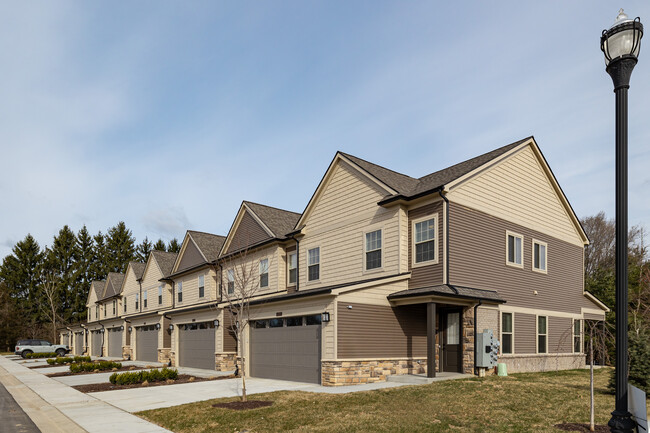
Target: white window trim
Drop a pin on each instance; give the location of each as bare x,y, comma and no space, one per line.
537,334
501,313
145,299
320,264
179,289
532,256
268,273
198,286
435,261
228,281
160,298
573,332
516,235
289,254
363,264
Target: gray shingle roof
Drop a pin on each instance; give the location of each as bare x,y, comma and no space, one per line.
165,260
138,269
451,291
279,221
113,285
98,287
209,244
410,187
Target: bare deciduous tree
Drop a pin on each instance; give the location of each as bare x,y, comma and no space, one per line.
49,293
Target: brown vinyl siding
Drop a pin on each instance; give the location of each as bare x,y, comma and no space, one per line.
560,334
376,331
191,257
249,232
229,341
525,333
423,276
478,259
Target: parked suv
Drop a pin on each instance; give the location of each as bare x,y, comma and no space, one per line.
24,347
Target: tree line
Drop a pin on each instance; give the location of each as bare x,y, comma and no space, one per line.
45,287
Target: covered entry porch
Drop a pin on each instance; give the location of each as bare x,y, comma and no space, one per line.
450,324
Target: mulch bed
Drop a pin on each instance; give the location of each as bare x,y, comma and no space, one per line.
182,378
244,405
68,373
572,426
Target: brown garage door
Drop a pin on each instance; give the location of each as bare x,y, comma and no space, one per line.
286,348
146,343
96,343
196,344
78,343
115,342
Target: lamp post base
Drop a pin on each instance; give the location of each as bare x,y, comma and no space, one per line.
622,422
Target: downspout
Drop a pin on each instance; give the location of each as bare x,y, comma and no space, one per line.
446,240
103,332
475,330
220,281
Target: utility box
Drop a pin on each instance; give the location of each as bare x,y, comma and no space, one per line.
488,349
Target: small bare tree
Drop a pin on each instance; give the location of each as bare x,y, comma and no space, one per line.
48,288
599,338
241,275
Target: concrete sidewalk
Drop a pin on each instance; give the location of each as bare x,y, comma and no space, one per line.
55,407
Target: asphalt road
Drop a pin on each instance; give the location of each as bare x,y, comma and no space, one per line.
14,420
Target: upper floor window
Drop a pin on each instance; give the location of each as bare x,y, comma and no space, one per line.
104,310
201,286
507,335
144,299
114,306
577,336
264,273
539,256
179,291
292,268
424,240
160,294
137,301
514,256
373,250
542,334
125,304
313,264
89,314
231,281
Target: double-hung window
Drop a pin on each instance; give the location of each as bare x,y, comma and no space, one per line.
144,299
313,264
424,240
104,310
577,336
160,288
125,304
292,268
114,306
373,250
506,333
264,273
231,281
542,334
539,256
514,249
201,286
137,301
179,291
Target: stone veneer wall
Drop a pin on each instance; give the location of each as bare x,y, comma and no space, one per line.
553,362
337,373
468,340
226,361
165,356
127,352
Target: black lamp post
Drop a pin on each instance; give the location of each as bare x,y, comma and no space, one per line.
621,44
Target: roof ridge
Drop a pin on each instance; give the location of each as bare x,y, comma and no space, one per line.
205,233
376,165
270,207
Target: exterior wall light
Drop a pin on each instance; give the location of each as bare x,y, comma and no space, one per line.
325,317
216,323
157,326
130,328
121,328
171,327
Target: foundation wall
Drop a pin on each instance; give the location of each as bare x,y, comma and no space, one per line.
225,361
337,373
532,363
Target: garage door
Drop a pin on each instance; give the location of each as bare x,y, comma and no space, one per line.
146,343
78,343
196,344
96,343
115,342
287,348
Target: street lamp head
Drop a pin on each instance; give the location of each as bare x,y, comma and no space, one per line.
623,39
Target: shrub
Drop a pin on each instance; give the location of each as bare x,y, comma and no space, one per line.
41,355
68,360
155,375
639,354
92,366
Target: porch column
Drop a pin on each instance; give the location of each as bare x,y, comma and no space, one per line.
431,339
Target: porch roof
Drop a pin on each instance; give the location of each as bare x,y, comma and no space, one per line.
451,291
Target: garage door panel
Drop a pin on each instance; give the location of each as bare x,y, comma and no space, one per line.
96,344
115,343
197,346
78,343
146,343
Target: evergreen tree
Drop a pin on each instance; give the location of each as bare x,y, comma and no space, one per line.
99,267
62,270
84,263
19,272
143,250
120,246
174,246
160,245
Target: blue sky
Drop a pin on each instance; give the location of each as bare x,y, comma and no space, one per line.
167,115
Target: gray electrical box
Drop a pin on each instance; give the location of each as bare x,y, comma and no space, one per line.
488,349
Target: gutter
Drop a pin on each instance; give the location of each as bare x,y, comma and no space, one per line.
411,197
444,197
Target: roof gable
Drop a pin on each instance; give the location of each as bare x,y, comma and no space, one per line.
113,285
162,260
95,292
189,256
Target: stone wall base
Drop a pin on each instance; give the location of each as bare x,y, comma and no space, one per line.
337,373
164,356
225,361
127,352
533,363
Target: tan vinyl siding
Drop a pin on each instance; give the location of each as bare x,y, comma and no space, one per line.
428,275
191,257
375,331
376,295
150,283
246,267
249,232
589,316
518,190
345,210
131,287
525,333
191,287
560,335
478,259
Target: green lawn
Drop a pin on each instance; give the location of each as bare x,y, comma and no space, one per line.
527,402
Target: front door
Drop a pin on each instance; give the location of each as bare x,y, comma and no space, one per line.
451,347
